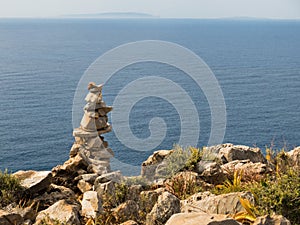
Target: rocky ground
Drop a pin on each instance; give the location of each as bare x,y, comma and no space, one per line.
209,187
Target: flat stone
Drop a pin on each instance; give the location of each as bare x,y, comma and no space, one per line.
94,106
78,132
88,123
94,142
201,219
91,205
34,181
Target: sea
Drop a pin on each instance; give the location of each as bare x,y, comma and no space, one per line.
256,64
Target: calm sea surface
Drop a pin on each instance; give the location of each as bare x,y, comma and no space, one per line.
257,64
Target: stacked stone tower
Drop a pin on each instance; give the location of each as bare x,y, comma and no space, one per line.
94,123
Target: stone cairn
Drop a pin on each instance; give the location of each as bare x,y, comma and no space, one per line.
94,123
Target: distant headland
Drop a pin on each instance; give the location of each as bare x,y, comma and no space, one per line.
112,15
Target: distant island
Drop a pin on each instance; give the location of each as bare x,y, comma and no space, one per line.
112,15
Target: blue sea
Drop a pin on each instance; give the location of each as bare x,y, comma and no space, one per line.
257,65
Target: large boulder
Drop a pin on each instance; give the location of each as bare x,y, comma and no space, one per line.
91,205
215,204
153,162
34,181
229,152
167,205
62,211
10,218
200,218
271,220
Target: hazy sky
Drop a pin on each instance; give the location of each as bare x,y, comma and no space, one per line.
283,9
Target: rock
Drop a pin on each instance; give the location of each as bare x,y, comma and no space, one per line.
147,200
215,204
200,219
84,186
134,192
91,205
105,188
54,194
167,205
129,222
249,168
210,172
229,152
62,211
294,157
34,181
10,218
115,176
126,211
90,178
273,220
150,165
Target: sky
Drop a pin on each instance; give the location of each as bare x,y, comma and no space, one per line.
277,9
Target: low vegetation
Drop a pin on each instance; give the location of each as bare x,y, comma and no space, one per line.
10,188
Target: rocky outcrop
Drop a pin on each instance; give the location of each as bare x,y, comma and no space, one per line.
201,218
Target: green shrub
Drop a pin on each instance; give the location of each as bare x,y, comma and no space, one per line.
279,194
10,188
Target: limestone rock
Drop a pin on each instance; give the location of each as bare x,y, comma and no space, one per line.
200,218
34,181
294,157
90,177
129,222
229,152
210,172
62,211
215,204
249,168
271,220
91,205
126,211
7,218
150,165
115,176
147,200
84,186
167,205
